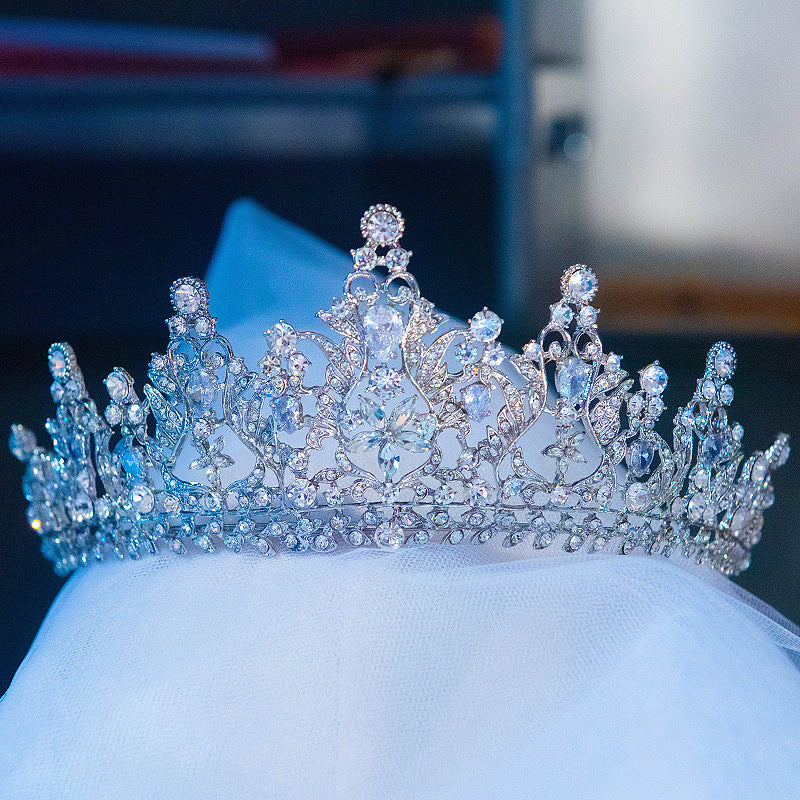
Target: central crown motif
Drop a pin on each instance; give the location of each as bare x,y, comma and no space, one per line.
401,429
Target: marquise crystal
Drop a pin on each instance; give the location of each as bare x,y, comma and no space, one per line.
413,431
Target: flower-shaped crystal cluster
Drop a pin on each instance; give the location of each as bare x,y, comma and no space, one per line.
398,429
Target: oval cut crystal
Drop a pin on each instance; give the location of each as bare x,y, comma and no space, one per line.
288,414
186,299
711,448
638,497
383,330
640,457
582,285
572,380
200,392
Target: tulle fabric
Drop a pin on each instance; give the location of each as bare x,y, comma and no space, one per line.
433,672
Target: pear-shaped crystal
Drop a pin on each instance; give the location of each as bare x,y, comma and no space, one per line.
388,460
288,414
572,380
476,400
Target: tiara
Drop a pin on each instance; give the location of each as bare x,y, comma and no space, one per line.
405,428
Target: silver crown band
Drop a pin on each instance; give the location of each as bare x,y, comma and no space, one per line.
402,430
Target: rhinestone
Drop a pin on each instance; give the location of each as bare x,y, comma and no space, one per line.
635,405
708,389
456,536
135,414
204,327
726,394
574,543
57,392
186,299
365,258
200,393
288,414
561,314
281,339
113,415
613,362
587,316
485,325
382,227
653,379
604,494
389,460
466,352
480,493
383,330
397,259
493,354
389,536
356,538
142,498
421,537
177,326
385,381
637,497
476,400
533,351
572,380
117,387
582,285
301,493
559,494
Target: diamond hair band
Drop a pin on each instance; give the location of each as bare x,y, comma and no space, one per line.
401,428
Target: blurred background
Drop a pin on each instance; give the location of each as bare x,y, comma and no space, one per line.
660,143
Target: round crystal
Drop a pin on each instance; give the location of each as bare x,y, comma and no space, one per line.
637,497
301,494
559,494
581,284
383,330
486,325
466,352
186,299
493,354
587,316
533,351
135,414
480,493
365,258
113,415
142,498
726,394
80,507
561,314
389,536
397,259
708,389
382,227
653,379
203,326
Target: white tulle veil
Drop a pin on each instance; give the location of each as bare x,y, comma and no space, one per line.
434,672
